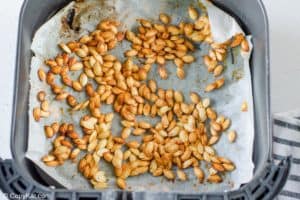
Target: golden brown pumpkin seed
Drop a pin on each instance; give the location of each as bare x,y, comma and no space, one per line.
121,183
41,96
180,73
194,97
76,66
41,74
76,86
244,107
162,72
83,79
131,53
245,45
226,124
232,136
164,18
169,174
220,82
218,70
214,178
193,13
53,163
65,48
44,107
237,40
199,174
181,175
138,131
178,62
188,59
125,133
49,131
210,87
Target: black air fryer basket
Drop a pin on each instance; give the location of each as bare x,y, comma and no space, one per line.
19,176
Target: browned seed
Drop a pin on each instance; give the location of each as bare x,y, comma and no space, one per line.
121,183
193,13
217,127
213,140
194,97
125,133
83,79
152,85
245,45
138,131
81,52
53,163
133,144
41,96
188,59
61,96
220,82
185,108
199,174
226,124
131,53
244,107
144,125
160,60
228,166
36,114
108,156
178,96
218,70
214,178
76,66
164,18
173,30
180,73
188,29
66,143
71,100
210,87
232,136
142,73
49,131
76,86
146,109
169,174
65,48
237,40
217,166
187,163
109,117
48,158
179,62
181,175
153,111
55,127
197,36
41,74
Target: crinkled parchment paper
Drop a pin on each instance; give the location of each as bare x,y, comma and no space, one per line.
227,100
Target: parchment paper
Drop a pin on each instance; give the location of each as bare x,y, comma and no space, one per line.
227,100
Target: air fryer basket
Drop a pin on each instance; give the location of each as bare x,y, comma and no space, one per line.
20,176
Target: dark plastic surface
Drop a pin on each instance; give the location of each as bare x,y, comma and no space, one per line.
272,179
252,16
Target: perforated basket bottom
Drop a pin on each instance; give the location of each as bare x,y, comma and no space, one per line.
265,187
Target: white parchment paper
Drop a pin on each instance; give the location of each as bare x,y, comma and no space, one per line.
227,101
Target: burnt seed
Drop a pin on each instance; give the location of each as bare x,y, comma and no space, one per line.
232,56
70,18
